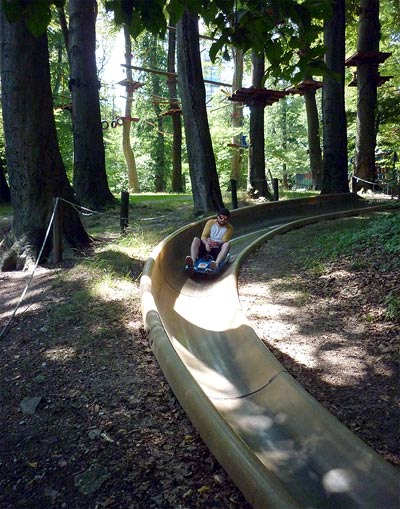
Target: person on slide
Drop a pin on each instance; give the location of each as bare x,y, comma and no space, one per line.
214,240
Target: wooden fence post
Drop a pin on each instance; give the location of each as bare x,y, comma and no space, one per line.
275,188
124,219
234,193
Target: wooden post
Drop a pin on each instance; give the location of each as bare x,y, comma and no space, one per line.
57,231
275,189
354,185
124,219
234,193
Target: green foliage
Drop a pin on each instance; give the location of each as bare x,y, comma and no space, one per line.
139,15
35,13
392,302
351,236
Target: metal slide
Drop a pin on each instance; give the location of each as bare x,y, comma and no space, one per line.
279,445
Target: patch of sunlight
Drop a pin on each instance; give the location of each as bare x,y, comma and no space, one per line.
60,354
302,354
349,360
109,288
337,480
214,384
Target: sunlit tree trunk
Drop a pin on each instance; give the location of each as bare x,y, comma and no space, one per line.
177,183
90,178
133,181
203,173
335,178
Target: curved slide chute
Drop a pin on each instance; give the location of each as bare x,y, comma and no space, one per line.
278,444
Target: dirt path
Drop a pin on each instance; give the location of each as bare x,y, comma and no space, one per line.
329,330
89,421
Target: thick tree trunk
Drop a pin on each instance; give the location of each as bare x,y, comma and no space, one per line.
314,142
34,163
176,180
257,182
335,179
203,173
90,178
367,72
133,181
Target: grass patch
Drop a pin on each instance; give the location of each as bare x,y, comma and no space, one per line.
328,241
392,303
5,210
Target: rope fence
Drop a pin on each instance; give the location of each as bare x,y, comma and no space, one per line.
57,242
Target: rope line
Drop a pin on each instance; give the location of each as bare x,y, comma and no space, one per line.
8,324
78,208
358,179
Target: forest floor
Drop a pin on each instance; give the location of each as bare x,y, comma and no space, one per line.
89,421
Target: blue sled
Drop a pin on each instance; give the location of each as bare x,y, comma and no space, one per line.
202,266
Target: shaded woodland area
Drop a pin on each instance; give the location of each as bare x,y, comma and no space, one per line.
38,165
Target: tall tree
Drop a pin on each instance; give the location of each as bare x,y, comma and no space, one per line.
34,163
176,179
284,108
133,181
367,82
159,149
257,182
237,117
90,178
335,178
203,173
313,136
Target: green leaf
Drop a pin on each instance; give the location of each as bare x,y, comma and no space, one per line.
37,17
12,10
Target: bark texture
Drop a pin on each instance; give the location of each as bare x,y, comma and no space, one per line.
335,179
367,74
36,170
203,173
177,178
257,182
314,141
133,181
90,178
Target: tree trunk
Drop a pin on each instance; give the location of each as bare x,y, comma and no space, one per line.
258,183
34,163
203,173
335,178
284,141
159,152
133,181
90,178
237,116
367,72
176,181
314,142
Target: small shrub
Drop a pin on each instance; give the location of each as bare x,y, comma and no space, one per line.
392,303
